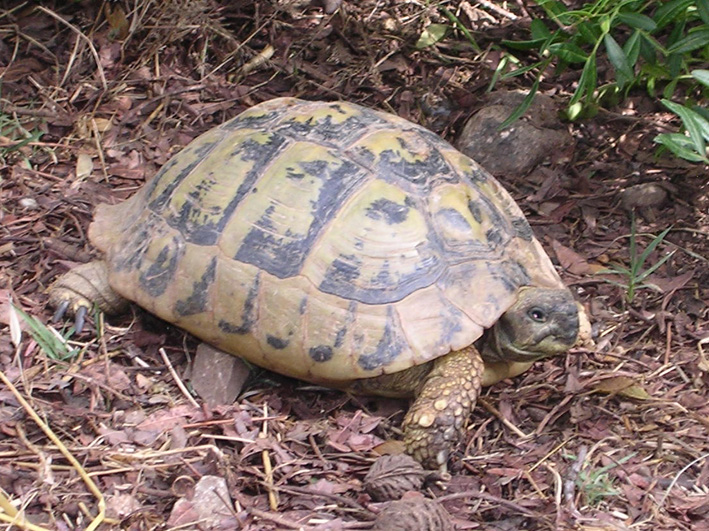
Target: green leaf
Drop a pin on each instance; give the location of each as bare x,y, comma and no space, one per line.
702,76
703,10
431,35
521,71
695,40
522,107
693,122
654,267
605,23
671,12
461,27
587,82
623,71
569,52
670,88
650,248
703,112
681,146
539,29
524,45
697,119
637,21
631,48
588,33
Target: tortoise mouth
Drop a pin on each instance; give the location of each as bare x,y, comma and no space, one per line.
506,350
504,346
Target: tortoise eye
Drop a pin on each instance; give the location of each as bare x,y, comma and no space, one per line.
537,314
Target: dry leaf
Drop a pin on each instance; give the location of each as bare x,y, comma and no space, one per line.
389,448
84,165
570,260
15,328
624,386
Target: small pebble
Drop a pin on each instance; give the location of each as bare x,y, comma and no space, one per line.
29,203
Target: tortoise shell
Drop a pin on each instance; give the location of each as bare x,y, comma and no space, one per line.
325,241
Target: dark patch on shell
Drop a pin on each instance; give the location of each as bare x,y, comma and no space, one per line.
390,211
277,342
325,131
522,229
340,276
283,255
197,301
511,274
321,353
475,211
161,272
453,219
248,315
196,153
203,226
390,347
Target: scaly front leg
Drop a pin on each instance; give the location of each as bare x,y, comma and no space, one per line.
434,424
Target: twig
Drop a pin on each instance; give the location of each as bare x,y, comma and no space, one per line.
488,497
282,522
90,44
267,468
497,9
177,378
492,409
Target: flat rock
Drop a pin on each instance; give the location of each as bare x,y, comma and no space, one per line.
216,376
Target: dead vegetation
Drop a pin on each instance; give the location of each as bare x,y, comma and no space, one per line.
96,96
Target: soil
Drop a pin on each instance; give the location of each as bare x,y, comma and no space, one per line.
96,96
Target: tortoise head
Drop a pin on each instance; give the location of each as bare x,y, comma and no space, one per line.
542,322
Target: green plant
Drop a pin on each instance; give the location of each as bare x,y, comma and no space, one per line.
635,275
647,42
597,484
693,145
54,344
12,129
434,33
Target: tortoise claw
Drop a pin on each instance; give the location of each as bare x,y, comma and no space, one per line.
60,311
80,319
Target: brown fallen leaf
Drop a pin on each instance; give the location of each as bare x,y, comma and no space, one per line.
624,386
570,260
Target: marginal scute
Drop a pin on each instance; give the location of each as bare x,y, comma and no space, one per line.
197,301
391,345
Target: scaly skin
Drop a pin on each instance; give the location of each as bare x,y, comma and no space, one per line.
437,419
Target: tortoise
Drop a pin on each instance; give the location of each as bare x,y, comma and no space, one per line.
342,246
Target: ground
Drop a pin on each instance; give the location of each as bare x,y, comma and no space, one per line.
95,98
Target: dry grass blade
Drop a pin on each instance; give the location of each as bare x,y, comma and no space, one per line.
101,503
89,43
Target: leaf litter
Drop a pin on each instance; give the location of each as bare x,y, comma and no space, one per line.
95,98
